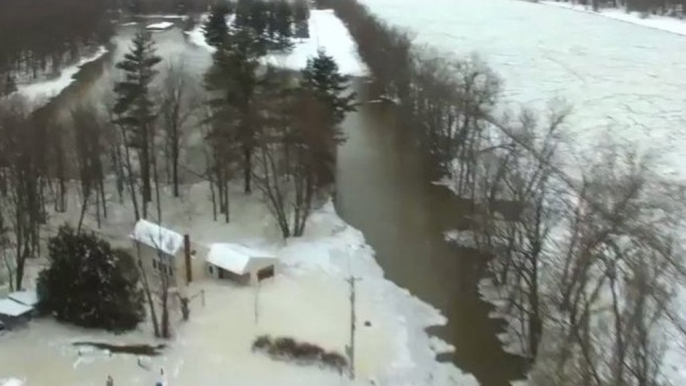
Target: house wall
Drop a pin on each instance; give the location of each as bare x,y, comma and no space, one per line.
198,263
150,257
12,322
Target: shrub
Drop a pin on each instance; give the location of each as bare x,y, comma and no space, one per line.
90,284
288,349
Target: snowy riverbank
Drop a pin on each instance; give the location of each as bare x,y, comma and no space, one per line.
40,93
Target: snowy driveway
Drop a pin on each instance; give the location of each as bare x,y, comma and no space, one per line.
621,79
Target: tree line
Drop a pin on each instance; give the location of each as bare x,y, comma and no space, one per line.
39,38
586,269
657,7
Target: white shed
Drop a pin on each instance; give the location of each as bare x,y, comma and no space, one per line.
13,313
27,298
240,263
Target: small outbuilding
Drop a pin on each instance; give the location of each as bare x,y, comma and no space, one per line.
161,26
239,263
13,313
27,298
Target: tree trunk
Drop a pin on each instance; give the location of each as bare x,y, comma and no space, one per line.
247,168
175,162
148,294
130,178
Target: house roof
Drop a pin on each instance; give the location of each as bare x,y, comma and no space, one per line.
237,258
157,237
27,298
11,308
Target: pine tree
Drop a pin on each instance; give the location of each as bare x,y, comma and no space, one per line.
234,76
323,96
134,108
322,78
215,28
301,16
89,283
283,25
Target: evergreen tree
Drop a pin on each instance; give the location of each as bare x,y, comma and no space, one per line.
283,24
215,28
301,16
259,18
234,78
134,107
90,284
323,97
322,78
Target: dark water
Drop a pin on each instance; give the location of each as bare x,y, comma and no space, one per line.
96,79
384,189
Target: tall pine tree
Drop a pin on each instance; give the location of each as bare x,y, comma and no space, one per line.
324,95
323,79
215,28
234,77
134,107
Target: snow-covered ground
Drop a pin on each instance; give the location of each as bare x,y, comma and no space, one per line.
308,300
623,81
40,93
327,32
664,23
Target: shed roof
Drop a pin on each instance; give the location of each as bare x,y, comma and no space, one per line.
27,298
237,258
157,237
11,308
160,26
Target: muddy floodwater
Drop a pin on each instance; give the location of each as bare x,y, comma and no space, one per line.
384,189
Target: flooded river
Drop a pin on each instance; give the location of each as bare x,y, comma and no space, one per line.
384,189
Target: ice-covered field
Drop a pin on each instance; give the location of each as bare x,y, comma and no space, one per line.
327,32
622,80
307,300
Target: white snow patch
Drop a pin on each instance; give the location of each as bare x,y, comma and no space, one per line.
440,346
160,26
40,93
327,33
11,382
463,238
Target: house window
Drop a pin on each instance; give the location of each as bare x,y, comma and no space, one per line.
211,269
163,267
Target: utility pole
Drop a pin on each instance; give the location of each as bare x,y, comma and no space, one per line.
350,349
